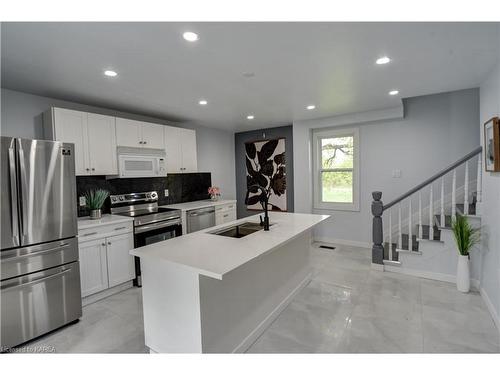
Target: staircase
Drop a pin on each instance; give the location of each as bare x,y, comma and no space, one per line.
412,234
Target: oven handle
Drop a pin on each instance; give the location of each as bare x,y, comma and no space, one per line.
163,224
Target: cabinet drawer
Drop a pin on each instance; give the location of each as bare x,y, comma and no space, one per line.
105,230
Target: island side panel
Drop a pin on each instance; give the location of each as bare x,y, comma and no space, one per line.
171,304
238,308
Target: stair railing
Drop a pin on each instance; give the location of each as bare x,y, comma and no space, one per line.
378,208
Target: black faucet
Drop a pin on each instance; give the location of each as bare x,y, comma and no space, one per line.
264,200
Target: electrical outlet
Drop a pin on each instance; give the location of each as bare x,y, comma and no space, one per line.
83,201
166,193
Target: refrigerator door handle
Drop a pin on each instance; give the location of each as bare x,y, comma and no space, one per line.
13,196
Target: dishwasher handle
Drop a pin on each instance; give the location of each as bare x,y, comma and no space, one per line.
200,212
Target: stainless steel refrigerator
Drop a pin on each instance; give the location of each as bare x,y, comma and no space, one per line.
39,274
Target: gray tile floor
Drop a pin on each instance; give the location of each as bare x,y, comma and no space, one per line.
347,308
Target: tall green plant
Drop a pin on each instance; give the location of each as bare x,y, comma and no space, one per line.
95,198
466,236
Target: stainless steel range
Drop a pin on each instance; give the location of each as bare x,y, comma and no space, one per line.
151,223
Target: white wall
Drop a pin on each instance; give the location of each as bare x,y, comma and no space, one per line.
436,130
490,218
21,117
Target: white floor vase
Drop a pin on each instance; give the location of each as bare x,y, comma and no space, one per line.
463,274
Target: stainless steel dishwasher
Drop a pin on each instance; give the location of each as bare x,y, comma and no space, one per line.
200,219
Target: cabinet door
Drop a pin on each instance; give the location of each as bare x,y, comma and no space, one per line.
71,126
128,133
93,268
189,157
152,136
102,144
120,262
173,149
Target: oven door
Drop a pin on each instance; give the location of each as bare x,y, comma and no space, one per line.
151,233
156,232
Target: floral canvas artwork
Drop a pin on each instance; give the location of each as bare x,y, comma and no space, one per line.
265,164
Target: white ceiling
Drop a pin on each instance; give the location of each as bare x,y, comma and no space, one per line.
331,65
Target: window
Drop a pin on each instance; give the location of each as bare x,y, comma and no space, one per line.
336,169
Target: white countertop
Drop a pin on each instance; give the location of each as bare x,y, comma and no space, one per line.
107,219
199,204
214,256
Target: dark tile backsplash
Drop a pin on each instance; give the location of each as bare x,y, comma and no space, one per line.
184,187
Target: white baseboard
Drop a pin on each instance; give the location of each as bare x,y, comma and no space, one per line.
377,267
106,293
429,275
255,334
491,308
339,241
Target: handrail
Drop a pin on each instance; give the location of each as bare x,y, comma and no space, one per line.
434,178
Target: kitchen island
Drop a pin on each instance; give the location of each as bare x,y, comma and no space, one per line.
216,290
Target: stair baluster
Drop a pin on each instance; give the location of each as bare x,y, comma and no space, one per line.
431,213
390,235
420,234
410,235
466,189
454,195
400,234
442,200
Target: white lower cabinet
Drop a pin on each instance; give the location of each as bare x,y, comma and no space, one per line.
225,213
93,266
120,262
105,262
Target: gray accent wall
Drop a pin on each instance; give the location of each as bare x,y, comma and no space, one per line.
241,180
21,117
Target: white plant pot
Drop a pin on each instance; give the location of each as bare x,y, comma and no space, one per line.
463,274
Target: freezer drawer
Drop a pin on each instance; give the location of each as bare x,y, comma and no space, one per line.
38,303
23,260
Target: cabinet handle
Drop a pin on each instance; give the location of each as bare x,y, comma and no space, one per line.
144,142
87,169
103,244
109,243
93,169
226,215
89,234
140,142
119,228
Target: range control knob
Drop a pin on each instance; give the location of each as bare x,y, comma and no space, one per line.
121,198
113,199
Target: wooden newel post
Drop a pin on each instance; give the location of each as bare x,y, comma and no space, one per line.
377,234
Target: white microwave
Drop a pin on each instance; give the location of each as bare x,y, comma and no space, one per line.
140,162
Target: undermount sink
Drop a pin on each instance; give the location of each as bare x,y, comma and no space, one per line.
240,230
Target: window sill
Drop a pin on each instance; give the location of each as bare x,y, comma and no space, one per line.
336,207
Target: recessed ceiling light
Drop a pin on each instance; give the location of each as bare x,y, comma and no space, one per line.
383,60
311,107
190,36
393,92
249,74
250,117
110,73
202,102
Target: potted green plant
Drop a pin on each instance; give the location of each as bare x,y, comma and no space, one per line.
94,202
466,236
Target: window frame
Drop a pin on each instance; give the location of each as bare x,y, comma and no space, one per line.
318,135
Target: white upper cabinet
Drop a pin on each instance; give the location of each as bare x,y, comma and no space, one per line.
69,126
173,149
189,154
93,135
131,133
180,145
102,144
128,133
152,135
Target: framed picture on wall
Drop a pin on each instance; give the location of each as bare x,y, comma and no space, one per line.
492,145
265,166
